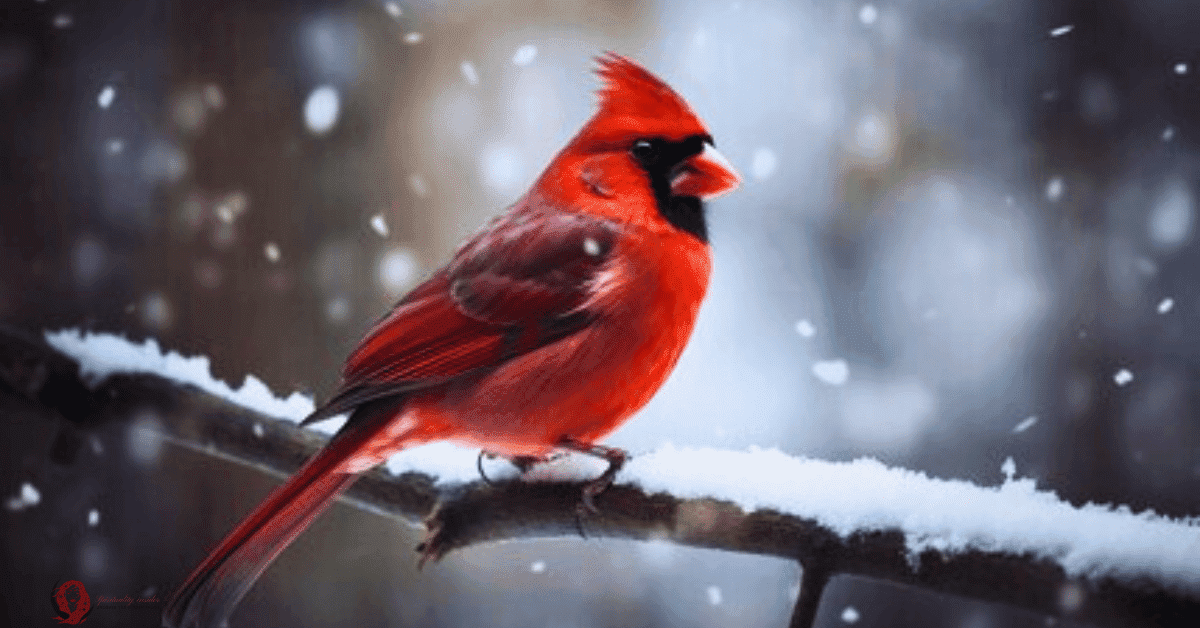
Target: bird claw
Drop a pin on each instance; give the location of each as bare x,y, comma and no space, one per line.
429,548
616,459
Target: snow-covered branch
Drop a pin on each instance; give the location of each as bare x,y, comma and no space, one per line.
1012,543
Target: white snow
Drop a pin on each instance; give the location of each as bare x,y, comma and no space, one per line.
379,225
832,372
764,163
93,518
1024,425
713,593
1181,68
1165,305
156,310
945,515
868,14
106,96
398,269
101,355
538,566
948,516
1062,30
874,138
805,328
469,72
1055,189
413,38
1009,469
503,167
393,9
213,96
27,497
144,440
419,186
1168,133
337,309
321,109
525,55
63,20
271,250
1123,376
850,615
1171,219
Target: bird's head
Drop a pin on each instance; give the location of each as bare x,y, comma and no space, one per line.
644,157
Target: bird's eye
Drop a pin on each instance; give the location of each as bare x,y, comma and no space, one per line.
644,150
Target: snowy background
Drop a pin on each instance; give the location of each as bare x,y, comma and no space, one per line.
965,234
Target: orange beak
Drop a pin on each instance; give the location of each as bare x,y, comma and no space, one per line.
705,176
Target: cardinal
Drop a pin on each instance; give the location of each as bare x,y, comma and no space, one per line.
546,331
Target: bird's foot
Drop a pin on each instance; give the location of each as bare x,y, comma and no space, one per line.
616,459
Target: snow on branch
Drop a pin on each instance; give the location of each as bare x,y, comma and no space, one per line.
1010,543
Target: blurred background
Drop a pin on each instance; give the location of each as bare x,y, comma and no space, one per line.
965,234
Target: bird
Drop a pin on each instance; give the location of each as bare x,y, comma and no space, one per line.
546,331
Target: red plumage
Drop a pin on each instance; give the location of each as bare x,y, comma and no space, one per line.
548,329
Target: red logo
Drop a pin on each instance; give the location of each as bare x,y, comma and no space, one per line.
73,601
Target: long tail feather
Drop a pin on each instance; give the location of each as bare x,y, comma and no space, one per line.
214,588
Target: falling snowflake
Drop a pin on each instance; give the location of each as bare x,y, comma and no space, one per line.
1123,377
418,185
106,96
397,269
805,328
29,496
832,372
1062,30
337,309
714,595
1024,425
469,73
850,615
538,566
321,109
764,163
271,250
1165,305
213,96
525,55
1055,189
379,225
868,14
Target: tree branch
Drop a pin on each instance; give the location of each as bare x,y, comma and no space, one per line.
478,512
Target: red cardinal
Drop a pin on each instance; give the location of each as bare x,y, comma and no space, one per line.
547,330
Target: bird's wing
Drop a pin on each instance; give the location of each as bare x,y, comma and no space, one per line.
519,285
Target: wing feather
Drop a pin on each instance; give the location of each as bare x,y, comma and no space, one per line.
518,286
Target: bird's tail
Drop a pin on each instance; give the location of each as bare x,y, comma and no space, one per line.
214,588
